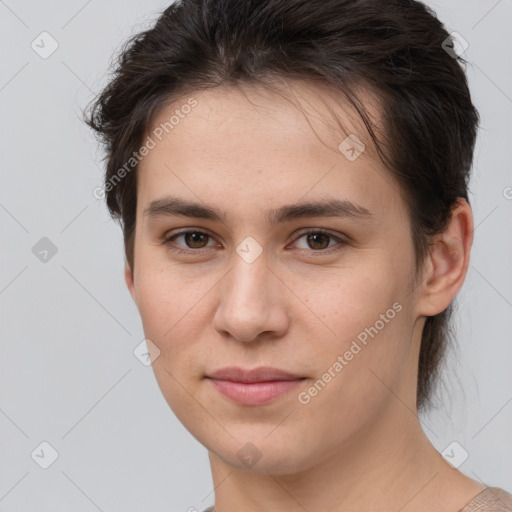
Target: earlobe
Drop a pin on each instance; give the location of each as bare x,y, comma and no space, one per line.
448,262
128,277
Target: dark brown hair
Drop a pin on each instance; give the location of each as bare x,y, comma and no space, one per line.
397,48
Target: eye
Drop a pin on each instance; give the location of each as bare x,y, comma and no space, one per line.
319,240
193,240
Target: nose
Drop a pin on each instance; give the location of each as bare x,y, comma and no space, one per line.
251,302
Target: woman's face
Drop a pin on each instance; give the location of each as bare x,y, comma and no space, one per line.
261,287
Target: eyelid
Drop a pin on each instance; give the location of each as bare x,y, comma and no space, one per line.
339,237
334,234
167,239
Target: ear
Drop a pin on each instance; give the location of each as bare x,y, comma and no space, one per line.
128,277
447,262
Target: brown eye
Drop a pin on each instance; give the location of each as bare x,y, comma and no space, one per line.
196,239
319,241
192,240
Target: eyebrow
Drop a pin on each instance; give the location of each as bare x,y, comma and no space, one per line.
174,206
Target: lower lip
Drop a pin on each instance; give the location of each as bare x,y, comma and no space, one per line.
255,393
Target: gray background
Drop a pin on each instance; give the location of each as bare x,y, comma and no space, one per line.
69,327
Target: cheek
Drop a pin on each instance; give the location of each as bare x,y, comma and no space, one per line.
172,314
349,300
366,333
172,306
360,371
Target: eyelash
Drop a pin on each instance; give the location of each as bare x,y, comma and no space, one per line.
168,241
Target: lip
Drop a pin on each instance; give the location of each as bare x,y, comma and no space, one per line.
260,374
256,386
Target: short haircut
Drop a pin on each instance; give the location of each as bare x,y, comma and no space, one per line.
398,49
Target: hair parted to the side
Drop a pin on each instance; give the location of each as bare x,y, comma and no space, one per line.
395,47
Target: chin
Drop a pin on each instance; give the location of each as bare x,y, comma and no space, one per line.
258,452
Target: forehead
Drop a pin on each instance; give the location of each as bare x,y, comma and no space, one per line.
292,110
258,146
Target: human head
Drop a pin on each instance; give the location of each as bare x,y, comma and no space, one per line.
393,49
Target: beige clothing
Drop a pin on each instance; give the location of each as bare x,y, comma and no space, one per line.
491,499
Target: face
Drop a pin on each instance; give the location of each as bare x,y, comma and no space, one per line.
297,257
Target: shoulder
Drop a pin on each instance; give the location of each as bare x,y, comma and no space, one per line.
491,499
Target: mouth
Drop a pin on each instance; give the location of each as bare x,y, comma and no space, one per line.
253,387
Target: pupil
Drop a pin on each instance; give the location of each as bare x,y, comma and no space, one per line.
314,239
192,238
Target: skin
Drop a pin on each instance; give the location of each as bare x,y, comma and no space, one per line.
358,444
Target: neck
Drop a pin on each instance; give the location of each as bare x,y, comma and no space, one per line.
391,465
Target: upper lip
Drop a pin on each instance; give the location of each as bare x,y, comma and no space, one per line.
260,374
